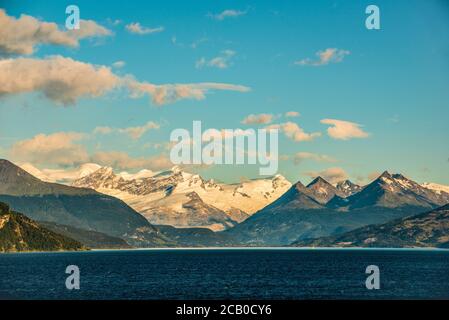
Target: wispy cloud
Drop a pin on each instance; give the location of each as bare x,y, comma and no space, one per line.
123,161
294,131
263,118
332,175
119,64
169,93
292,114
229,13
301,156
133,132
58,148
58,78
344,130
324,57
222,61
137,28
23,35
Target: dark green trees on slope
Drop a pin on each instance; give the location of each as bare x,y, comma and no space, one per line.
19,233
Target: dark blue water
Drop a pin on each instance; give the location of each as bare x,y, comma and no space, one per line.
227,274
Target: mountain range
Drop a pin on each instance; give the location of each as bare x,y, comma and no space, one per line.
303,213
104,209
429,229
181,199
77,207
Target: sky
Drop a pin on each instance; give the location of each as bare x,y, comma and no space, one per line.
349,102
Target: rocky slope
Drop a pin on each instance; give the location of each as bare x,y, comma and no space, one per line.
19,233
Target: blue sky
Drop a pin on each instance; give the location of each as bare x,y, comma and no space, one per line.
394,82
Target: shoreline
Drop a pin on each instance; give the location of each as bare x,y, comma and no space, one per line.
235,249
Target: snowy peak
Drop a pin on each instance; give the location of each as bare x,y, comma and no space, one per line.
438,188
162,197
348,188
392,191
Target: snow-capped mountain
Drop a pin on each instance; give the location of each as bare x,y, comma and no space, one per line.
438,188
166,197
298,214
348,188
392,191
61,175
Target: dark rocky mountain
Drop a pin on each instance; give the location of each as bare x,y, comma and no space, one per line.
322,191
90,239
297,197
430,229
348,188
19,233
76,207
297,215
390,191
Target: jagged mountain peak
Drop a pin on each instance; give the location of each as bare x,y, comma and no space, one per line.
348,188
161,197
392,191
318,180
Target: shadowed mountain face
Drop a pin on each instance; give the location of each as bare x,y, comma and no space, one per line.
76,207
430,229
19,233
391,191
17,182
297,197
322,191
90,239
298,214
347,188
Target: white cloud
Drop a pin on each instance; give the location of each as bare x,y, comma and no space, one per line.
23,35
65,175
344,130
137,28
119,64
103,130
65,80
263,118
222,61
230,13
292,114
57,148
169,93
137,132
294,132
301,156
122,161
133,132
332,175
324,57
60,79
